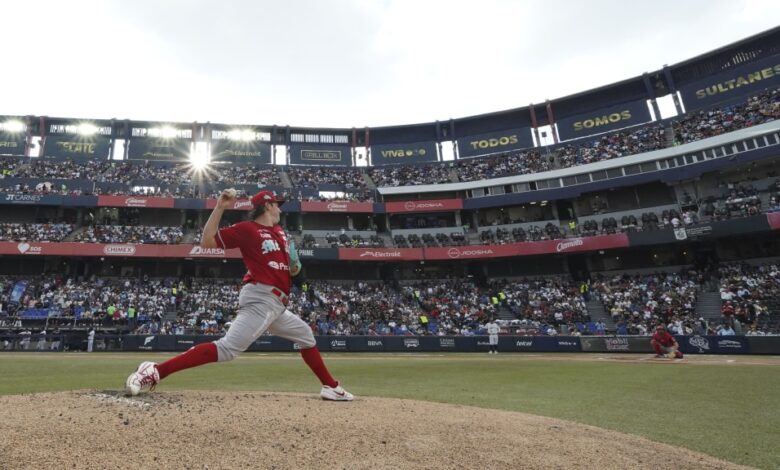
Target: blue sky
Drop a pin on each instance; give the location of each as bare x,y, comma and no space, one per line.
342,63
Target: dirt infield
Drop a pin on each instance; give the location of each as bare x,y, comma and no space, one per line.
103,429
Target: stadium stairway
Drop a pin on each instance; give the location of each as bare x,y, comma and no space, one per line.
72,235
504,313
454,175
369,182
597,312
669,135
284,177
189,236
708,306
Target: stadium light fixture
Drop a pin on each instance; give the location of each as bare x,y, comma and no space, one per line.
87,129
13,126
199,157
244,135
167,132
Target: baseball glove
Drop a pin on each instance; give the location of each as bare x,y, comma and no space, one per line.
295,261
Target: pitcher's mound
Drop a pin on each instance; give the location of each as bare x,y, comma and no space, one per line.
103,429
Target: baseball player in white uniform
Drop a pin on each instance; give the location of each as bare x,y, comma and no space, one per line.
492,330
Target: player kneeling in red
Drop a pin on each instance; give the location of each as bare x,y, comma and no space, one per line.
270,260
664,344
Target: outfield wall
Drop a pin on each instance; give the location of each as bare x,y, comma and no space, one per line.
599,344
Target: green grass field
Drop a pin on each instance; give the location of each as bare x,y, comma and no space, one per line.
726,410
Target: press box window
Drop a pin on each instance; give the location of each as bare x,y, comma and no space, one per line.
631,169
582,179
598,175
520,188
614,173
569,181
750,144
648,167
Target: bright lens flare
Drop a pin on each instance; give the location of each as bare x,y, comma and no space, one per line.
87,129
12,126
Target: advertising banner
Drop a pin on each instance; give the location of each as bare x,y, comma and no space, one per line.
712,344
351,254
31,199
318,253
471,252
114,249
494,142
241,151
238,205
136,201
12,143
566,245
542,343
70,146
743,225
304,154
150,148
603,120
418,152
337,206
736,82
380,254
773,219
424,206
632,344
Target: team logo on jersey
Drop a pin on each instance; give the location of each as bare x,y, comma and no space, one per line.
269,245
278,265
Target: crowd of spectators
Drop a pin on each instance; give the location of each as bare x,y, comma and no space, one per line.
41,189
130,234
411,175
610,146
514,163
8,165
126,172
747,293
60,169
248,174
638,303
425,308
759,109
48,232
97,300
548,303
313,177
544,306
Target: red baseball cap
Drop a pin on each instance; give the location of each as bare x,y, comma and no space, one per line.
265,196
